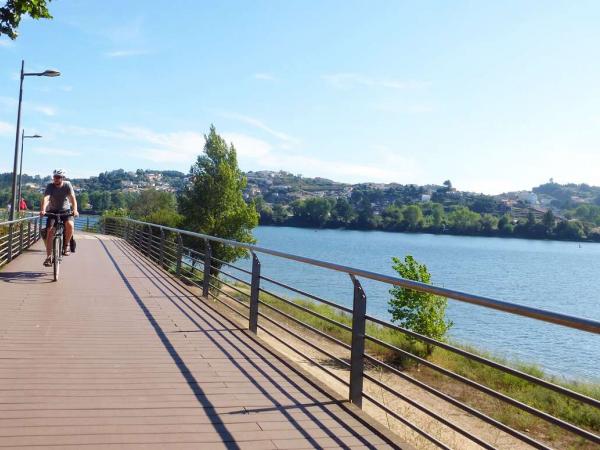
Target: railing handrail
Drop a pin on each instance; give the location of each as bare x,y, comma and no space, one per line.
23,219
585,324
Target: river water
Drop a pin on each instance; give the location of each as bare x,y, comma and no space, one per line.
557,276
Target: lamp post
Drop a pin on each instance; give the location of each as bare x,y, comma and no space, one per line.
46,73
23,137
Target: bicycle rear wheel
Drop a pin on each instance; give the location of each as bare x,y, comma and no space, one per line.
56,249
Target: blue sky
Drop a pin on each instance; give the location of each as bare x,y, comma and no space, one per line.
495,97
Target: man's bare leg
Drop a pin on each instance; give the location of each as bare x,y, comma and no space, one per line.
68,233
49,237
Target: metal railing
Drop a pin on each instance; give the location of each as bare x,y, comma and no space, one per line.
16,236
249,294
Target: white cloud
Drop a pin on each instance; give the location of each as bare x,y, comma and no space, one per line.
6,43
248,146
386,165
46,110
55,151
126,53
6,129
350,80
179,147
284,137
9,104
265,76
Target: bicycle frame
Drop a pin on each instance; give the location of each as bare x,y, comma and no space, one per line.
57,240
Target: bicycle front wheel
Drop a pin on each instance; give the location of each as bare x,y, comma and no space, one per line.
56,248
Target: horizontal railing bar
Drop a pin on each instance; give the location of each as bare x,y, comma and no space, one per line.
512,308
216,297
307,310
306,294
500,396
23,219
406,422
562,390
312,361
235,278
228,295
232,265
239,291
313,329
456,403
429,412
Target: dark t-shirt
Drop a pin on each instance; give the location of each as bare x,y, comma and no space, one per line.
59,200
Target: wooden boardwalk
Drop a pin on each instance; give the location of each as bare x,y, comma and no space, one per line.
118,354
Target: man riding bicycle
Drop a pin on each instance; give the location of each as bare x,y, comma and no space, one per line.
59,198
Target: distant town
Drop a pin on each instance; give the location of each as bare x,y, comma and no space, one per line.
551,210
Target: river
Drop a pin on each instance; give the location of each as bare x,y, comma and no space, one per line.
557,276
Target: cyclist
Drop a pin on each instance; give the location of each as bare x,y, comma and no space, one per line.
59,198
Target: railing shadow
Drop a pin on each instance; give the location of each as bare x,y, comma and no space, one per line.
194,385
25,277
258,359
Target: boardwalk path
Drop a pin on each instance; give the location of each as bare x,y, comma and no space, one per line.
117,354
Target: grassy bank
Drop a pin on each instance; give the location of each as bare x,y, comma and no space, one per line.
541,398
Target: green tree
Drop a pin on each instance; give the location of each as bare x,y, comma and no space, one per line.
342,213
463,220
166,217
13,10
489,223
150,201
413,216
280,214
505,226
570,230
421,312
84,200
437,214
549,221
393,218
213,203
313,211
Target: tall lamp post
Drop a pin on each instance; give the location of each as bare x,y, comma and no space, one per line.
23,137
46,73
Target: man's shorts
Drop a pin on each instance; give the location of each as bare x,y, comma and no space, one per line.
50,220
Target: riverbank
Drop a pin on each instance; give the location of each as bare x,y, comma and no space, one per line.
437,232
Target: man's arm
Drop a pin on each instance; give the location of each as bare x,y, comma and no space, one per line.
45,201
73,201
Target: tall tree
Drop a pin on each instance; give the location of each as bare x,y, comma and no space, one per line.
213,203
13,10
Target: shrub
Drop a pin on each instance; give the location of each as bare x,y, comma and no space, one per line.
421,312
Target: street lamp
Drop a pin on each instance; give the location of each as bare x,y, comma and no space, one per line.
23,137
46,73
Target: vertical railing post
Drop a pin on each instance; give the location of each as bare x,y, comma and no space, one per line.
10,242
35,230
28,233
21,230
207,264
359,311
162,248
179,254
254,294
149,242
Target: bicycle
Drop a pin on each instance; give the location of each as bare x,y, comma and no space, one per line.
57,241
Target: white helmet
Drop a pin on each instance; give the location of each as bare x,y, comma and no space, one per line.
59,173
